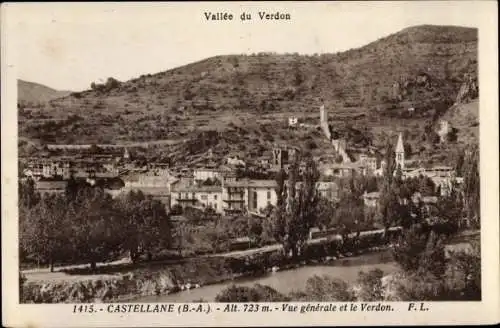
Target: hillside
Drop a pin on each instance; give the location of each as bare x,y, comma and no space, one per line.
367,91
30,93
465,118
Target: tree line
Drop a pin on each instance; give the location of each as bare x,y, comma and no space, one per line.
300,209
426,272
86,225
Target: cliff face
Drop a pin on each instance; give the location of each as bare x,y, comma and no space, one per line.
468,91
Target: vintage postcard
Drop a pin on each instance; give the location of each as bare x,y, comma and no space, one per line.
250,164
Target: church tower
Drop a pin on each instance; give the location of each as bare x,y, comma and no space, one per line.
400,152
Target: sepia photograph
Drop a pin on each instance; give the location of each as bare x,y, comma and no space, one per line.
245,153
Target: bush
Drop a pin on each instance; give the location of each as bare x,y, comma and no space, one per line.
420,287
327,289
22,280
316,251
257,293
419,251
276,259
370,286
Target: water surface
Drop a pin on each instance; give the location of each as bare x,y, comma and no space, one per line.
287,281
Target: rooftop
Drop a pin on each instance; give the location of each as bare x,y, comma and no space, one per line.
185,185
251,183
44,185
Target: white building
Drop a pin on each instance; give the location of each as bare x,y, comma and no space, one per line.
444,129
369,163
371,199
202,174
197,196
248,195
235,161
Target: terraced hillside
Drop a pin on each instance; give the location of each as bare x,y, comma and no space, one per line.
368,92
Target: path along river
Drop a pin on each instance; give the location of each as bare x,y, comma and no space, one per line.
288,280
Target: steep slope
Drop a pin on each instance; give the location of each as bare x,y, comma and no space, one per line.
366,90
34,93
465,119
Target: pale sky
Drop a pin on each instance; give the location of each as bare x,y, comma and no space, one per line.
67,46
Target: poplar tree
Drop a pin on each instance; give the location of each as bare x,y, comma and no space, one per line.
472,186
296,211
388,202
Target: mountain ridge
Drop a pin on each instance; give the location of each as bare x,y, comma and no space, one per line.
37,93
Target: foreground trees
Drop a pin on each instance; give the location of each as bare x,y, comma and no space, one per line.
44,231
87,225
144,224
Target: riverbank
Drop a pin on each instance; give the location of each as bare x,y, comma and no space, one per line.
122,286
159,280
287,280
155,281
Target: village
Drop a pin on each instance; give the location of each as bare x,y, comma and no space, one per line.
221,188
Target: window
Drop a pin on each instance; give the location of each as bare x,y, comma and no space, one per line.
254,199
269,194
215,197
203,197
215,206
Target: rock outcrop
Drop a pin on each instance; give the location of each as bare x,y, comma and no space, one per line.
468,91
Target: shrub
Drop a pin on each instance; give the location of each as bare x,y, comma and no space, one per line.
421,287
419,251
315,251
327,289
22,280
276,259
257,293
370,286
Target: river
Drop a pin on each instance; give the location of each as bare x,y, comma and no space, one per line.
287,281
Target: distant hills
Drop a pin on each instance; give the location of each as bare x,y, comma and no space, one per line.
35,93
368,92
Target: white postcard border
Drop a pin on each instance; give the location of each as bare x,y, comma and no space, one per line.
486,311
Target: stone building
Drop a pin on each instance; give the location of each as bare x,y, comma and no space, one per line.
283,156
